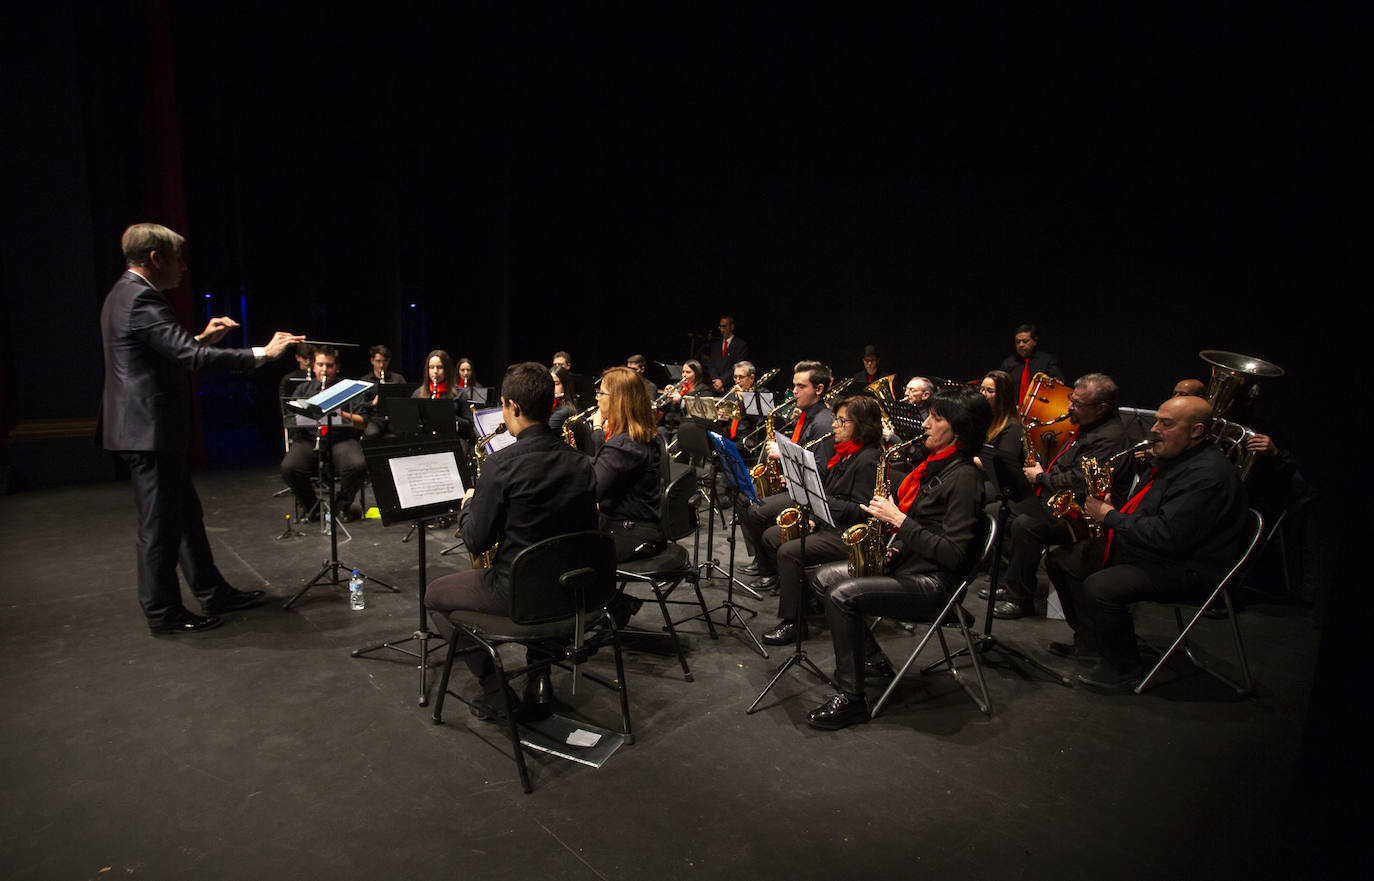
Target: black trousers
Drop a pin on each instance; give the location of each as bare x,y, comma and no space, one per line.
822,546
465,591
1027,538
907,598
171,531
1097,600
299,465
754,520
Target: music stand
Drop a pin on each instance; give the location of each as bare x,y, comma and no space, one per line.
485,422
1011,486
321,406
805,488
737,480
415,479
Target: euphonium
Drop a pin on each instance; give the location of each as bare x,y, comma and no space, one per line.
867,541
789,521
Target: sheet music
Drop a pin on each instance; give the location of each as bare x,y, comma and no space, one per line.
803,478
749,404
487,420
427,479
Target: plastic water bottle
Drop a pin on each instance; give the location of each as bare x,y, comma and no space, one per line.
355,591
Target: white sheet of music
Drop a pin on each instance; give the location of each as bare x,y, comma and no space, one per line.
427,479
800,469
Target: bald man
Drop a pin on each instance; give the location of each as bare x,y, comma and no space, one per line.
1176,536
1189,388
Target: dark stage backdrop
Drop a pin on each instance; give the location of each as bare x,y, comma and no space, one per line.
1141,180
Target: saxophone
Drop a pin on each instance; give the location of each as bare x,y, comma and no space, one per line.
1098,475
768,473
483,559
568,437
867,541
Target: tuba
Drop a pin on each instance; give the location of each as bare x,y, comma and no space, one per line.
867,541
1234,376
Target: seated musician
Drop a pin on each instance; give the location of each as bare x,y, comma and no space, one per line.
918,391
754,405
305,362
1097,433
937,515
849,482
301,461
693,382
533,489
440,384
468,389
1006,431
627,465
1171,541
638,363
380,358
812,422
565,401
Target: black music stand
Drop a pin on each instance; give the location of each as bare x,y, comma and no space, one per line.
1011,486
415,479
805,488
737,480
321,406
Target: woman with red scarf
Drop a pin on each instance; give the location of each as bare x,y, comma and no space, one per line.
440,383
938,520
849,482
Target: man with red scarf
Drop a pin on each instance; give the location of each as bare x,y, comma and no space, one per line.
1172,540
937,518
1098,433
849,481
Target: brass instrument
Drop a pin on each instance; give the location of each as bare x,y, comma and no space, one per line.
568,437
1050,438
726,409
789,521
1098,475
767,473
882,391
867,541
809,444
837,388
1233,375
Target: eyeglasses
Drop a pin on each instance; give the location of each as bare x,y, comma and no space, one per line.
840,420
601,393
1075,402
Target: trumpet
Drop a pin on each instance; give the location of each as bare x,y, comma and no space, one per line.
837,388
866,542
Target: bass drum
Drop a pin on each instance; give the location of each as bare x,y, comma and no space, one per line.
1045,414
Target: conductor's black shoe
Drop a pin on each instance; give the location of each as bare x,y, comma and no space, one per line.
784,633
539,696
1006,609
838,712
1001,593
1104,677
228,599
182,623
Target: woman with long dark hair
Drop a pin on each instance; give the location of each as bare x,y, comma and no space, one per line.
1004,434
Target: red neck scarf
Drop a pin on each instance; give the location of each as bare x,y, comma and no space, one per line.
906,493
686,388
463,383
1131,505
844,451
1025,378
796,432
438,389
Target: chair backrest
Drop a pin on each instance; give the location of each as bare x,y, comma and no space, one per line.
693,441
1252,541
679,518
549,577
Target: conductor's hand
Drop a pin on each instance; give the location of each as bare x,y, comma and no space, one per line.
216,329
885,510
280,342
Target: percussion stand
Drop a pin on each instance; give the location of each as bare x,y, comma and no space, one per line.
332,566
984,643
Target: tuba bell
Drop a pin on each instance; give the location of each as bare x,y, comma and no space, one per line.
1234,377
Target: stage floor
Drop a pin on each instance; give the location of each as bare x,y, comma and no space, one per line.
263,749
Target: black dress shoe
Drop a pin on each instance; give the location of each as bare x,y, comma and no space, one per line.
1006,609
1001,593
347,515
748,569
879,665
838,712
1104,677
784,634
539,698
487,706
1072,650
227,599
766,582
183,623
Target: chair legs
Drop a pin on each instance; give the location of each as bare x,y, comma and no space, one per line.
1245,686
662,589
979,696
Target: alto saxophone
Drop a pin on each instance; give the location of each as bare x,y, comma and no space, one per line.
483,559
789,521
867,541
1098,475
568,437
768,473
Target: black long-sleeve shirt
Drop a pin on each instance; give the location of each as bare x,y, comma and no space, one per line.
534,489
1101,440
850,484
627,479
944,523
1192,516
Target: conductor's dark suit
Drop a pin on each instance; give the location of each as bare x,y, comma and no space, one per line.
145,417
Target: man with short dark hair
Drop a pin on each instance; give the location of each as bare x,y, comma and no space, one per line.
872,369
1028,361
380,358
536,488
1098,433
301,461
718,357
638,363
1171,541
145,418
